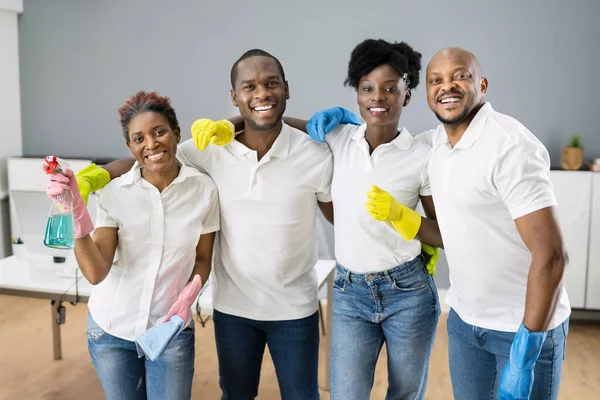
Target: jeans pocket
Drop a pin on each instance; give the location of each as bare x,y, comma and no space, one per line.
94,332
414,278
339,282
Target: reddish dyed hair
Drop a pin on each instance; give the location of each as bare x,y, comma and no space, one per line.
143,102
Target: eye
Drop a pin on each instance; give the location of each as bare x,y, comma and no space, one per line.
463,75
137,139
249,87
272,84
367,89
392,89
159,132
434,81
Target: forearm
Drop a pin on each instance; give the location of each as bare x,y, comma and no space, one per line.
202,268
296,123
543,288
429,232
94,265
119,167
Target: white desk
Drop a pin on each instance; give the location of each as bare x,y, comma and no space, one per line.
35,276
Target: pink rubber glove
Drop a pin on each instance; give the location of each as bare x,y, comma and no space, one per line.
185,300
58,183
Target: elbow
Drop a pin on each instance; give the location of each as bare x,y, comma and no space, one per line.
552,265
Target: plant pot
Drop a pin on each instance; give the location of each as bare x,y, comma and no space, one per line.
572,158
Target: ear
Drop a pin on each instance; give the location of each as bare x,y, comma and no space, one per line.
177,132
483,85
287,90
233,98
407,97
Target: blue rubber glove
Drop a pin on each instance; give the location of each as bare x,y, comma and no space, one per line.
516,380
324,121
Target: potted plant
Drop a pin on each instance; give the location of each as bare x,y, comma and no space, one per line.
572,155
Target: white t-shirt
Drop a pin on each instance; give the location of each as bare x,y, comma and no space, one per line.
496,173
156,251
363,244
267,246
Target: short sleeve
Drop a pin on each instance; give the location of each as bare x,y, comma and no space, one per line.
424,189
212,216
337,135
103,217
188,154
427,137
522,178
324,190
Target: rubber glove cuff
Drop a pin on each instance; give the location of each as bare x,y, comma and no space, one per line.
91,179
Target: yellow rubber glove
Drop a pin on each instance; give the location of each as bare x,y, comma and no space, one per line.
383,207
205,131
91,179
433,254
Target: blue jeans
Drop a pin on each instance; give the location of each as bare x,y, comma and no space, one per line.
124,375
477,357
400,307
294,348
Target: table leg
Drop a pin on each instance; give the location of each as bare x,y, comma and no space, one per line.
330,279
55,330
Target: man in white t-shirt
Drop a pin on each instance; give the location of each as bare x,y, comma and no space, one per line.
491,186
270,180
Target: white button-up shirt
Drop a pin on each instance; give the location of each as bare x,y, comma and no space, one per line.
158,234
399,167
267,246
497,172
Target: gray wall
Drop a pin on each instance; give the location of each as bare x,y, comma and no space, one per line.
81,59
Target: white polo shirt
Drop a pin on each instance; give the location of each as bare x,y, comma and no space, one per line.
496,173
363,244
264,261
156,251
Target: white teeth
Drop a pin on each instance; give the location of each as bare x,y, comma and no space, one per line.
263,108
450,100
378,109
155,156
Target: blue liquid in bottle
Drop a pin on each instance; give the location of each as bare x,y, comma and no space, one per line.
59,232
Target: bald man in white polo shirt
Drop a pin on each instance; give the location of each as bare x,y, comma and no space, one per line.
491,186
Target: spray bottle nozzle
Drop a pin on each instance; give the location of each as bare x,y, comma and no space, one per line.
54,164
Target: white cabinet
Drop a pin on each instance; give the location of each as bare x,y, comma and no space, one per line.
593,273
573,194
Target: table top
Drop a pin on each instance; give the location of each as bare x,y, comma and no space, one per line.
40,274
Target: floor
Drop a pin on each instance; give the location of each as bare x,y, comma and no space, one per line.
27,370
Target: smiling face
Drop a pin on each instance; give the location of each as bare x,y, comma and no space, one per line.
381,95
455,86
153,142
260,92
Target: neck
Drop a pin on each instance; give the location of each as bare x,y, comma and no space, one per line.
161,179
456,131
259,140
380,134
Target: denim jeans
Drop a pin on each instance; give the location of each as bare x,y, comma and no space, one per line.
477,357
294,348
124,375
398,307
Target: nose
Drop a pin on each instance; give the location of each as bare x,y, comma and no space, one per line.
379,96
152,142
447,85
261,92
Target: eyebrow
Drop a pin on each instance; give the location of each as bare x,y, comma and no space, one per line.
247,81
389,80
463,67
154,128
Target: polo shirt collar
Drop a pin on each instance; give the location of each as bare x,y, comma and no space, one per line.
475,128
280,147
403,141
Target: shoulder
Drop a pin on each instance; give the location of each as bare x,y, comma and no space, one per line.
301,142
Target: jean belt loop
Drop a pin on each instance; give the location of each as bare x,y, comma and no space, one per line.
388,277
348,280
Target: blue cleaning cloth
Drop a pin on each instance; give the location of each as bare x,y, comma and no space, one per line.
156,339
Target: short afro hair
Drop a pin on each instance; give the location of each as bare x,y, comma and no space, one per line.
372,53
142,102
253,53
